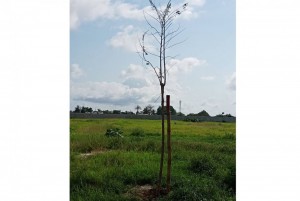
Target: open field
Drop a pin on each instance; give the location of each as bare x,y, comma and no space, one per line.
108,168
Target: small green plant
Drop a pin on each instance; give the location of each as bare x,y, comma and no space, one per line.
114,132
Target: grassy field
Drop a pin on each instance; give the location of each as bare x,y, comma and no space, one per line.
108,168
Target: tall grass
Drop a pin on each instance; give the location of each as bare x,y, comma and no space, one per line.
203,165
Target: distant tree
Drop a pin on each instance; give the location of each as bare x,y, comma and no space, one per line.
107,112
137,109
127,112
83,109
153,111
172,110
77,109
180,114
86,109
148,110
116,112
224,115
203,113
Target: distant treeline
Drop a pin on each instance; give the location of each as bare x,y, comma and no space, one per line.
148,110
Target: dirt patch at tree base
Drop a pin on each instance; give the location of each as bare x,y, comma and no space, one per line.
145,193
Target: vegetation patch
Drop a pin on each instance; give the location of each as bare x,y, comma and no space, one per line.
92,153
114,132
126,168
203,164
138,132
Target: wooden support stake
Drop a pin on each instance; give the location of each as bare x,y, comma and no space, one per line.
168,144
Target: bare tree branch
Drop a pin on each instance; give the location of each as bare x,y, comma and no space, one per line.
176,44
149,24
172,37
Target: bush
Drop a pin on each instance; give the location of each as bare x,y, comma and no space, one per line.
114,132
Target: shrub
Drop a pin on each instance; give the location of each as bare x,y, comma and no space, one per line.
114,132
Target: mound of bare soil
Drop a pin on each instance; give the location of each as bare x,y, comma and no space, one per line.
144,193
92,153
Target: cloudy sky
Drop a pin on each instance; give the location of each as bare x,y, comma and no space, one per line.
107,73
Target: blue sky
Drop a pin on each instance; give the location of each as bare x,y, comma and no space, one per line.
35,74
107,73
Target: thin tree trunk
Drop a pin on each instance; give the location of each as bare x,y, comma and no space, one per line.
162,139
163,36
168,144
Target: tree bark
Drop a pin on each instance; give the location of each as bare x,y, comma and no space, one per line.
162,138
168,145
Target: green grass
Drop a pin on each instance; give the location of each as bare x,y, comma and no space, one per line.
203,159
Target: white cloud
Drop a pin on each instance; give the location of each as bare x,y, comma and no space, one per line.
111,93
104,92
137,76
129,11
185,65
90,10
231,82
137,85
76,71
127,39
